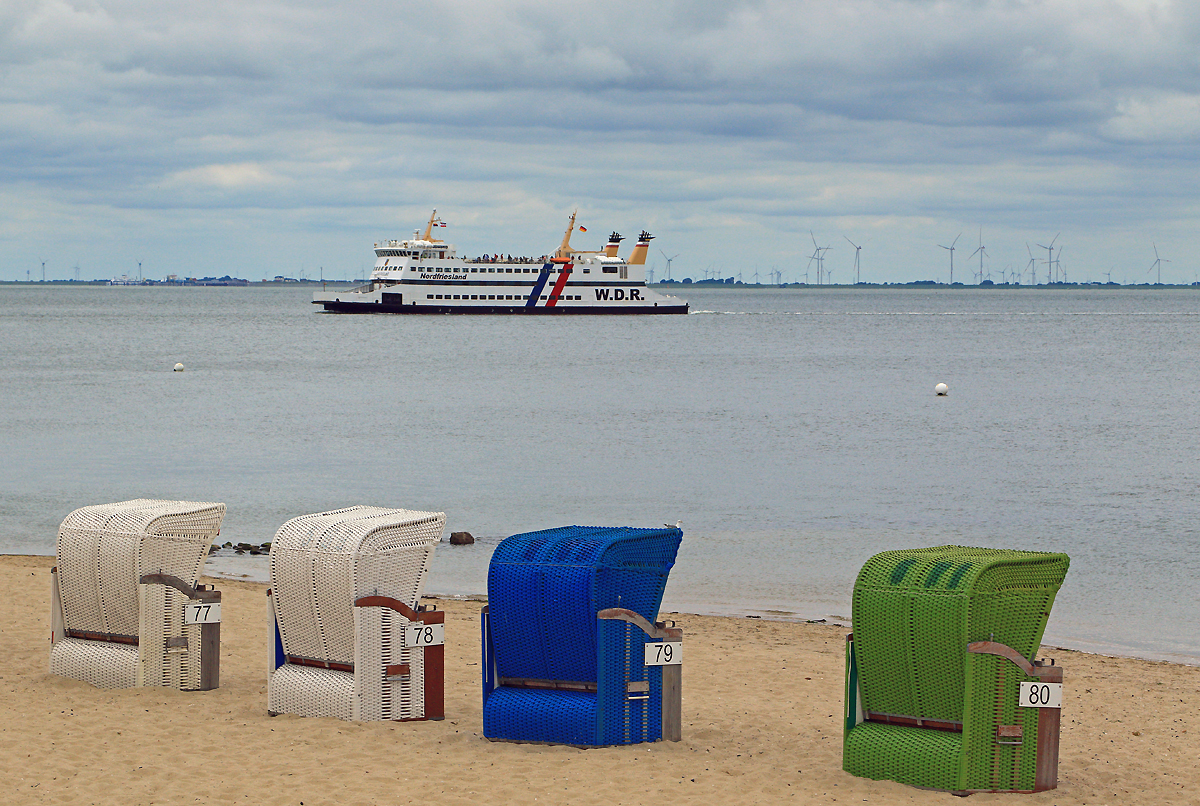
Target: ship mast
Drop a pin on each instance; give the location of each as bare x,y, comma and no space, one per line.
565,251
433,219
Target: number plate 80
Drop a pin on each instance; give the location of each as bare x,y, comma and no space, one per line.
1041,695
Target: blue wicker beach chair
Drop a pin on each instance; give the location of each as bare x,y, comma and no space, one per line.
570,615
943,640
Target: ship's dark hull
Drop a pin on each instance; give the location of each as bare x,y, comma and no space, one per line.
518,310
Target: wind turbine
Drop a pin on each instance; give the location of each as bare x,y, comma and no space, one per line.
1157,264
951,248
669,259
1031,265
818,249
981,252
857,249
816,254
1049,258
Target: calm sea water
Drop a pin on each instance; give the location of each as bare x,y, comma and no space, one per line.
794,432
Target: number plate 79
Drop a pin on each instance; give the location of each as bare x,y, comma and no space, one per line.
664,653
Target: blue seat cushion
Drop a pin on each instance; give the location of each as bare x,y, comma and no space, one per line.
540,715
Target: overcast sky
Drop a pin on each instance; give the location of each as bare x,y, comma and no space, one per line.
270,137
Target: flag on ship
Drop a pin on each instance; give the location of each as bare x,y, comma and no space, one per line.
582,229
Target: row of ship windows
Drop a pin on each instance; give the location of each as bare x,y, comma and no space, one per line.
502,270
497,296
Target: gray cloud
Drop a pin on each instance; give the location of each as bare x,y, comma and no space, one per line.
326,125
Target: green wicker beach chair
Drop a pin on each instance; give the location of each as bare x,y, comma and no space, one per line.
943,639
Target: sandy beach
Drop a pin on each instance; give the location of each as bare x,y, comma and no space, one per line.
762,705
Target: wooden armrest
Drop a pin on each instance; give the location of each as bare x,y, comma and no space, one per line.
1050,674
659,631
391,604
198,592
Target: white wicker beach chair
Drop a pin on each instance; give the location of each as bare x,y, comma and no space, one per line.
344,592
123,576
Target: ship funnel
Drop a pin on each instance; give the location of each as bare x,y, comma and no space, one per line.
614,243
638,258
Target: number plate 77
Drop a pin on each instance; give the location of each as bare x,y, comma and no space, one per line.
664,653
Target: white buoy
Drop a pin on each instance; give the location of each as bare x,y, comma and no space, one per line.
179,367
942,389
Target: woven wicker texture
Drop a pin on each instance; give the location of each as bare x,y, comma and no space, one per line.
544,591
319,565
102,664
305,691
545,588
914,613
102,552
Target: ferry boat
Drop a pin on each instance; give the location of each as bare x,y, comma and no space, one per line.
425,275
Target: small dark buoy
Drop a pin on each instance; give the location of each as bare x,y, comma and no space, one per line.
461,539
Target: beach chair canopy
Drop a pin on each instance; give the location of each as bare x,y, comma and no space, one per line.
545,590
327,648
931,709
115,629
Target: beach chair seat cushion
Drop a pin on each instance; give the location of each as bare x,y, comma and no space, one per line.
536,715
909,755
104,665
308,691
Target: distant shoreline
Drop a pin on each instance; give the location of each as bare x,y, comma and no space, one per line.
923,284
